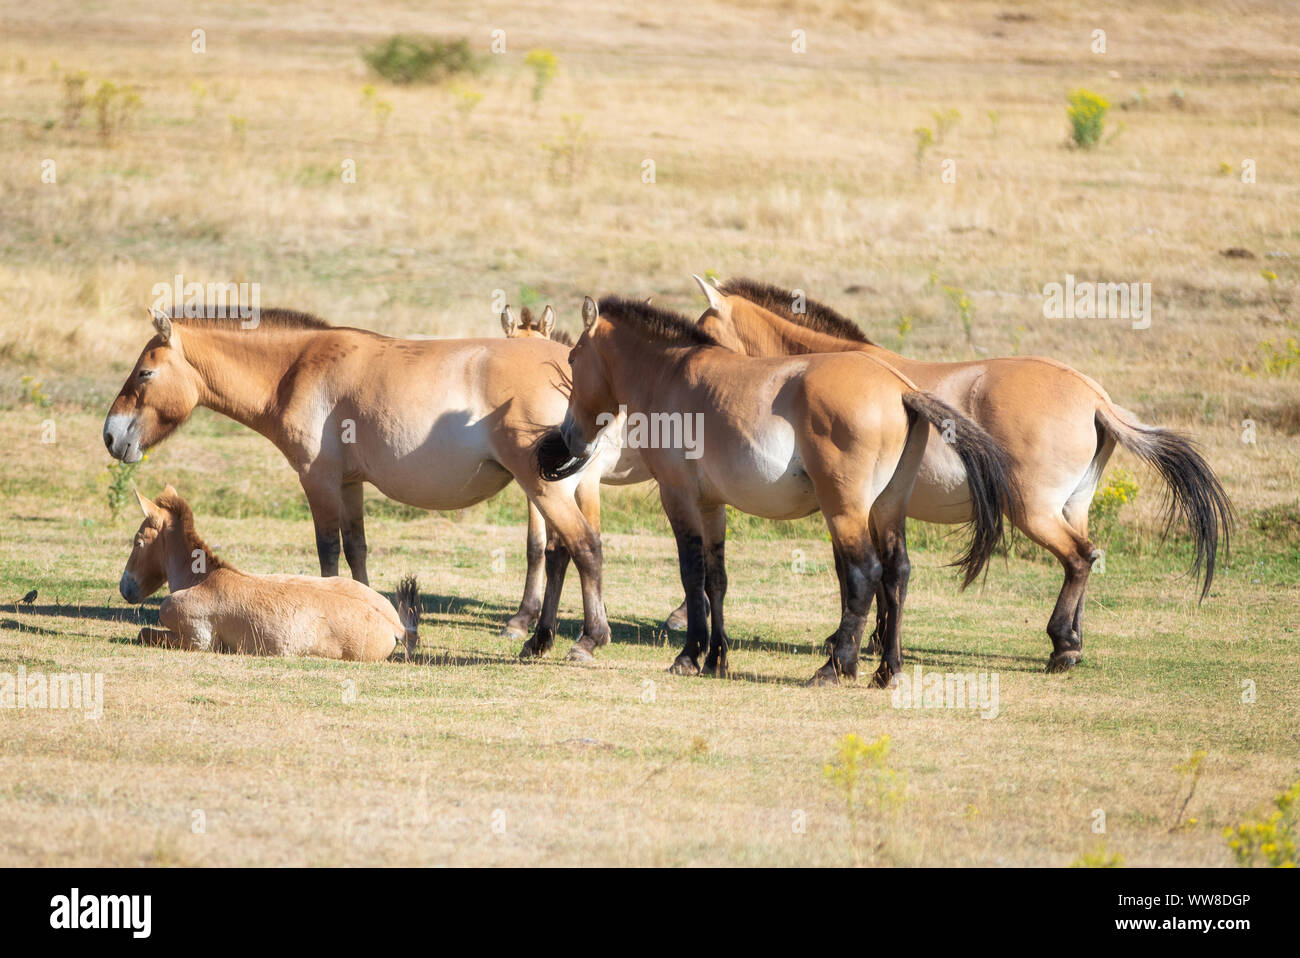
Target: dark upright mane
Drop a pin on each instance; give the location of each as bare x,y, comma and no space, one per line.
818,316
181,510
654,323
270,318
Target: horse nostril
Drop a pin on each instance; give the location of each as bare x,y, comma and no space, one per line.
108,440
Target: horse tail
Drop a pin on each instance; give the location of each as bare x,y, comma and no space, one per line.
1195,493
989,476
408,610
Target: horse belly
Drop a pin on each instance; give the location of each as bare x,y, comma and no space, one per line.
452,467
764,478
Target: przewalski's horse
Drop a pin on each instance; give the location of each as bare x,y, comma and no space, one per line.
1058,427
778,438
213,607
438,424
526,326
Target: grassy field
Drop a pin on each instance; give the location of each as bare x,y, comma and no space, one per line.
801,169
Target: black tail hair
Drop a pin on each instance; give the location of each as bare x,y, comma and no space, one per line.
408,610
993,491
1195,493
554,461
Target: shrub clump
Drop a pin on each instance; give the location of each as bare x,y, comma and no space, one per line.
409,58
1087,115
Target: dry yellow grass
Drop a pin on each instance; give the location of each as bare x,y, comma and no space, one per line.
796,168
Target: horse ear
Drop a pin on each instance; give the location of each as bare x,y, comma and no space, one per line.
146,506
590,313
508,321
163,323
547,324
171,491
712,294
649,300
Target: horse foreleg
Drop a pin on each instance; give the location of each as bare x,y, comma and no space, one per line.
353,527
688,529
579,529
325,502
531,604
715,585
165,638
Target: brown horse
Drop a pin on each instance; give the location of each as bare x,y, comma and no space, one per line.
779,438
215,607
1058,427
438,424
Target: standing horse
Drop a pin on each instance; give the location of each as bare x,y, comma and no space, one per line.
779,438
438,424
1058,427
215,607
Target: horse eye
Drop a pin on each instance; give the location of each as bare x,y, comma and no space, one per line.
146,374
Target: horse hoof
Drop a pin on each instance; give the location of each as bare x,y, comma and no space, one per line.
823,677
717,670
512,632
1064,661
684,665
579,654
882,678
676,622
531,651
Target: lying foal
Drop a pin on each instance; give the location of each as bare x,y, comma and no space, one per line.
215,607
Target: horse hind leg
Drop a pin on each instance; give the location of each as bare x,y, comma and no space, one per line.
531,605
890,539
1076,553
556,560
860,572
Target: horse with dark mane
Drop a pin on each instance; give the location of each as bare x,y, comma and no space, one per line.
781,438
1058,426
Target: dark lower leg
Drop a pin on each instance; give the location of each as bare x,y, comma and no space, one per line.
895,571
860,575
354,530
1067,644
715,589
690,559
556,558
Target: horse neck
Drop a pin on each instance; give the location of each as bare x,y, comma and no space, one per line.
766,329
240,371
635,364
179,558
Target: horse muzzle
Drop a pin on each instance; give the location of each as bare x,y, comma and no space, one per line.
130,589
122,437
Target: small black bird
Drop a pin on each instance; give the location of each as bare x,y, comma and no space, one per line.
29,598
